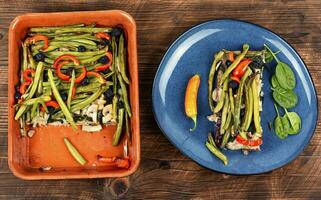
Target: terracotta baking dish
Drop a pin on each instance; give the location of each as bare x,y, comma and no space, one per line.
26,156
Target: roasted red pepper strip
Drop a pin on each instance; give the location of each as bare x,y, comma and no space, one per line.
53,104
235,78
241,68
231,56
102,35
102,67
65,77
66,57
82,75
245,142
26,74
110,58
39,37
117,162
97,75
23,87
59,73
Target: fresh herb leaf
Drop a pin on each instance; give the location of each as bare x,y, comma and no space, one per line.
295,122
285,98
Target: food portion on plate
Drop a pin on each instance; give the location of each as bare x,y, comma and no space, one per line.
74,76
235,99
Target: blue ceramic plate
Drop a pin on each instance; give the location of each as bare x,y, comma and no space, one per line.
193,53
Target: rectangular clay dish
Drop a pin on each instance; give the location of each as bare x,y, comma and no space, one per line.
28,156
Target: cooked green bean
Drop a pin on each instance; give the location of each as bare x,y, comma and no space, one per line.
230,91
24,57
220,102
33,109
89,100
217,153
124,95
72,37
224,113
74,152
238,99
121,60
114,103
119,129
211,139
31,60
32,101
228,119
48,29
35,81
82,29
72,83
127,126
85,41
217,58
235,63
256,107
76,53
249,107
20,112
61,103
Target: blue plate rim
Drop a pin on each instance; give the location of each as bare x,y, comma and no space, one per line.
259,26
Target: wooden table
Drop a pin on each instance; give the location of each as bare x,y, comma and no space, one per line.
164,172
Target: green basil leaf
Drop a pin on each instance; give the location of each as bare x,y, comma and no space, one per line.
285,76
285,98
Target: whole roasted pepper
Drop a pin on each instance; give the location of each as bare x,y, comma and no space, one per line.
191,99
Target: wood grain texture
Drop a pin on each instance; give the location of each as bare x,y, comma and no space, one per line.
164,172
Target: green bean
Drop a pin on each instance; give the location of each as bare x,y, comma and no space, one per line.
33,109
81,96
31,60
124,95
225,138
235,62
249,107
72,83
30,102
82,29
238,99
127,126
211,139
21,110
89,88
115,100
91,59
224,113
43,105
228,119
121,59
220,102
72,37
48,29
35,80
76,53
61,103
231,99
89,100
256,98
39,91
85,41
217,153
24,57
28,118
74,152
119,129
211,78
